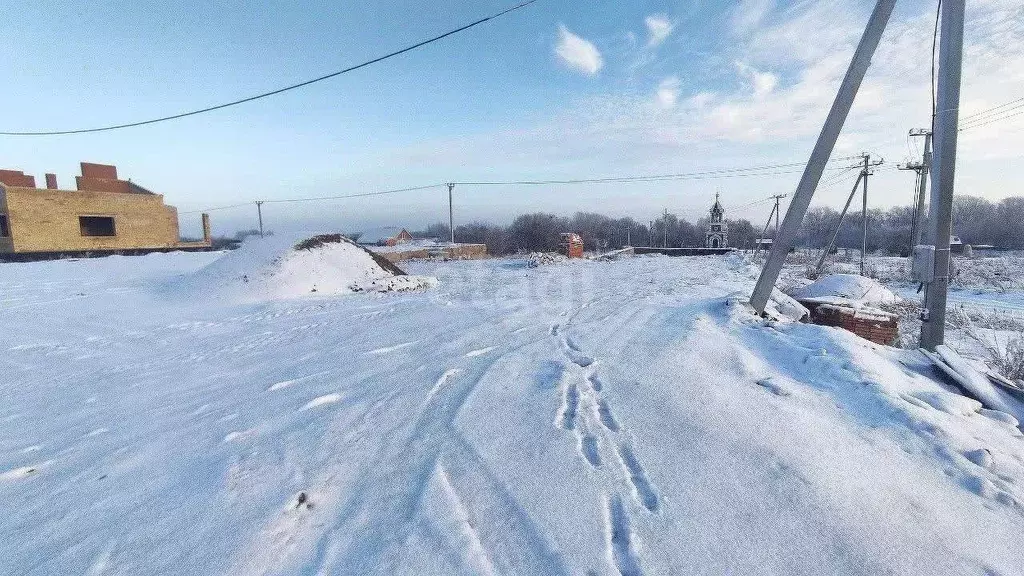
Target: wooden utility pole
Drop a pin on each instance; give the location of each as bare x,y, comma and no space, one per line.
945,123
822,150
259,212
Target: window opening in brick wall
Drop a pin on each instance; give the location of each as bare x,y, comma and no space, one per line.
5,228
97,225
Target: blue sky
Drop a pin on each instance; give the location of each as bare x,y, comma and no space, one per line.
560,89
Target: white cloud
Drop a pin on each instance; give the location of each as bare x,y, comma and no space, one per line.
748,15
668,92
577,53
768,119
659,27
763,83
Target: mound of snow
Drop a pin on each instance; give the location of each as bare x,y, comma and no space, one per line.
849,289
281,267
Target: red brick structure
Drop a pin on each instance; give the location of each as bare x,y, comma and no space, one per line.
17,178
875,325
572,244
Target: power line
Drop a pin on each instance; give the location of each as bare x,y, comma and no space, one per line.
710,174
214,209
998,118
279,90
1019,101
361,195
721,173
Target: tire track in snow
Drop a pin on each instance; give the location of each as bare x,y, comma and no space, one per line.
478,554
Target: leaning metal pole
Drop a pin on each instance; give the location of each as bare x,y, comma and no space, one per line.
947,117
839,225
820,155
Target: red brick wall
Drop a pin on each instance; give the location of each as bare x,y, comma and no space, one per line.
87,183
876,330
17,178
51,181
105,171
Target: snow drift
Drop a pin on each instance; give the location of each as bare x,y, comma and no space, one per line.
849,289
287,267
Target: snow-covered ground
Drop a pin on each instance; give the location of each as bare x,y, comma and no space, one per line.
580,418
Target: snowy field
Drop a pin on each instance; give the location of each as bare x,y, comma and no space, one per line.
627,417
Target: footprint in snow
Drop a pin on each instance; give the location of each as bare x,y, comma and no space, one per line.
480,352
774,387
321,401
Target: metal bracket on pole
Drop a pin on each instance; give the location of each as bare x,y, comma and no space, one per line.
820,155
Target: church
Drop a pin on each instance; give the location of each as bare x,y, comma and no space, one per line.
717,235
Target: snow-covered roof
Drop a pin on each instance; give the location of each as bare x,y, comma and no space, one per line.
378,235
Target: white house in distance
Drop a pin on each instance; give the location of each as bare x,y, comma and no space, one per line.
717,235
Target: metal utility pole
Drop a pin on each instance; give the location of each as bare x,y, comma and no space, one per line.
451,213
822,150
259,211
864,215
839,225
947,116
650,233
921,186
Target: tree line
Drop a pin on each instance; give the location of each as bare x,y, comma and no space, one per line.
975,220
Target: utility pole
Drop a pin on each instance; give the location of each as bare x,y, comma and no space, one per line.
760,241
921,185
451,213
628,241
259,211
864,214
777,211
650,233
822,150
664,243
839,225
945,125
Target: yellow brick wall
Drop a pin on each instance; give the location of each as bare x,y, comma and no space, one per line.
47,220
6,245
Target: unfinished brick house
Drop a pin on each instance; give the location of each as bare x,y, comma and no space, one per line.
103,215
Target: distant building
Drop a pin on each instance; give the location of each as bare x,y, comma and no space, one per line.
387,236
571,244
717,235
103,215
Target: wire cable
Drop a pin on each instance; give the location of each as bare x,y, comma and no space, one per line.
722,173
347,196
705,175
279,90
